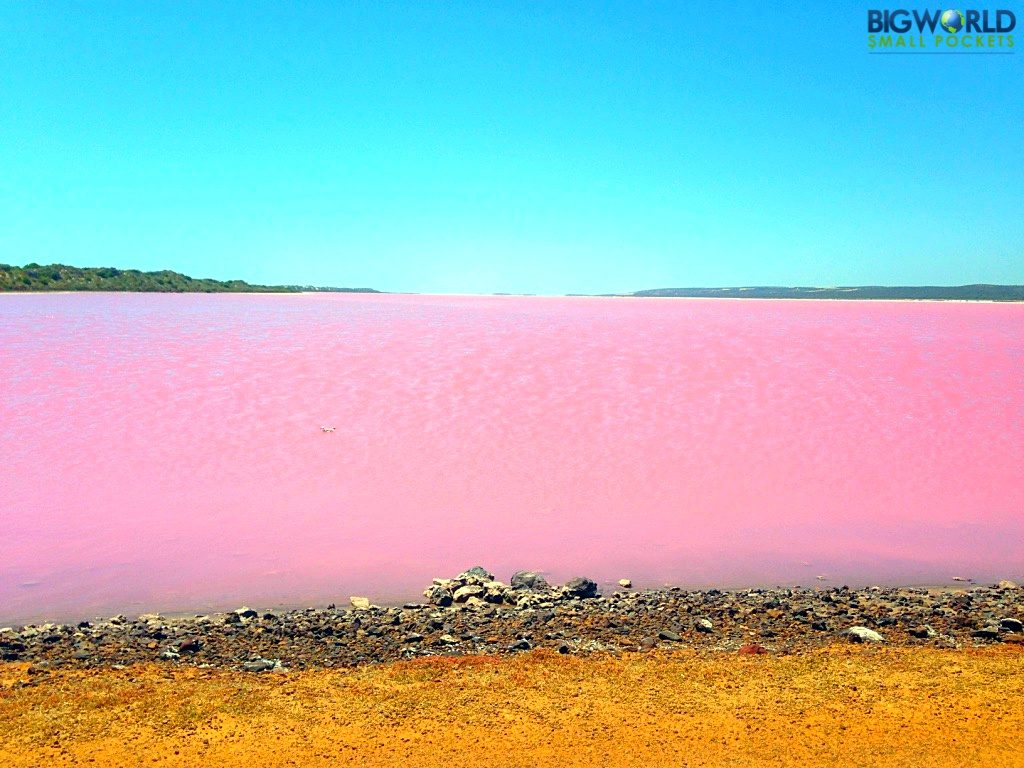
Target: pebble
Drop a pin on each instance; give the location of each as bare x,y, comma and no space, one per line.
752,649
863,635
259,665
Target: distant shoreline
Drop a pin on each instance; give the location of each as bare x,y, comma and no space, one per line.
972,292
520,296
60,278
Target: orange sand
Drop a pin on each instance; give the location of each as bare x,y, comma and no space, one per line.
846,705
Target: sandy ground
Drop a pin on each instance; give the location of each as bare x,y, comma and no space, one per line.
845,705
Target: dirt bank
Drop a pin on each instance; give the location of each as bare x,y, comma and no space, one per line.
849,705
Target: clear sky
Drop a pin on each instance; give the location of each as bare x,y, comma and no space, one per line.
489,146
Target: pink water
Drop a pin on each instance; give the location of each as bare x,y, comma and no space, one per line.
164,452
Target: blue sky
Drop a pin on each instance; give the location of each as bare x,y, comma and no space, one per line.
489,146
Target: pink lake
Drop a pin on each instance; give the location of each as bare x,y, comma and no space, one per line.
164,452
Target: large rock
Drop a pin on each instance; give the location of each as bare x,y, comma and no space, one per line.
581,587
462,594
863,635
474,573
437,595
495,592
529,580
1011,625
359,603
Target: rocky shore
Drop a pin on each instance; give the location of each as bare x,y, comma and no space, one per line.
474,613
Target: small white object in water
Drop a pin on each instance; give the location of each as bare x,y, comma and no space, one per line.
326,429
821,578
961,578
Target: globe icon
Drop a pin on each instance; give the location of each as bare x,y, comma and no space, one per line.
952,21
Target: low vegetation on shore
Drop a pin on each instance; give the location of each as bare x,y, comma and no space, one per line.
60,277
977,292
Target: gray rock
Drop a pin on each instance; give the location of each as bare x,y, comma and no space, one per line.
668,634
258,665
520,645
170,654
462,594
990,632
437,595
582,587
477,572
924,631
625,583
495,592
246,612
1011,625
863,635
648,643
704,625
1007,584
413,637
447,640
529,580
